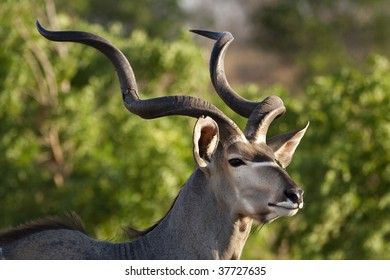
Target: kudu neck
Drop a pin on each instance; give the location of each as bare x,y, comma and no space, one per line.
198,226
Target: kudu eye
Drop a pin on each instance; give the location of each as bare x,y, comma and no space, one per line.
236,162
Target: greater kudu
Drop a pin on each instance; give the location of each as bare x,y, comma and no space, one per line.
239,178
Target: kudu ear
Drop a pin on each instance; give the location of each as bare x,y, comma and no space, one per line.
206,138
284,145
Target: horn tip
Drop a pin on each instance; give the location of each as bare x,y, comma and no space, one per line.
38,24
40,28
211,34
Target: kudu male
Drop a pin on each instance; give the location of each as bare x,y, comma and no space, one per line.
239,178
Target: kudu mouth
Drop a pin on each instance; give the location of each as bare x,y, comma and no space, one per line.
286,208
289,205
294,200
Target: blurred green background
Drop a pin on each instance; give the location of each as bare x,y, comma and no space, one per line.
68,143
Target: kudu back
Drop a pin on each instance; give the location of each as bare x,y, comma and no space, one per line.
240,176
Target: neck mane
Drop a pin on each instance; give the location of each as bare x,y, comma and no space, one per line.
69,220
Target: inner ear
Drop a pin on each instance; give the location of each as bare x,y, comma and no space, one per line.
207,142
284,145
206,137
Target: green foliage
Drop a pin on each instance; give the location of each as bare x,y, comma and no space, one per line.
323,36
354,125
158,18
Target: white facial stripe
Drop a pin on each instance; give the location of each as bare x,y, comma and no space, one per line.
265,164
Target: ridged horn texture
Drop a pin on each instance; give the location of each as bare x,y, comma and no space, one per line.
259,114
261,118
154,107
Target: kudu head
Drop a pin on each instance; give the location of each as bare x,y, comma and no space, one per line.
244,169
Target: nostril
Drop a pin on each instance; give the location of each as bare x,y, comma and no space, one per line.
294,195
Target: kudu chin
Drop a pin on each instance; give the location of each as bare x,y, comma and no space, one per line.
239,178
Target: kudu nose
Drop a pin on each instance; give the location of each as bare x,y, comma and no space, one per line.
295,195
